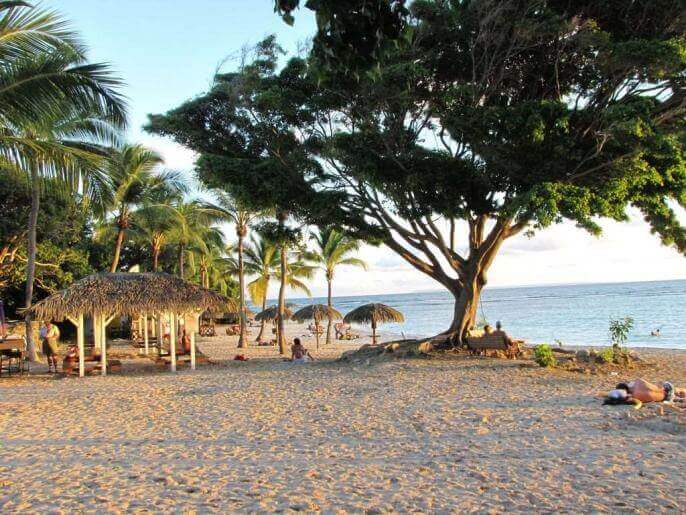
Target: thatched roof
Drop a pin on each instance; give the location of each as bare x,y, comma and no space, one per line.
272,312
316,311
129,294
374,312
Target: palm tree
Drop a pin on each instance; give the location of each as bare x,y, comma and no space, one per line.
131,171
262,261
241,217
55,109
334,248
152,226
194,219
209,261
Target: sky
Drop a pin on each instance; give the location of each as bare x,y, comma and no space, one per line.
167,52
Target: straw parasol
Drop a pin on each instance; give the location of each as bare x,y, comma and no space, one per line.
316,312
272,312
374,313
129,294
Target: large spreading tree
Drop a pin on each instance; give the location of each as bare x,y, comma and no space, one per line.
478,121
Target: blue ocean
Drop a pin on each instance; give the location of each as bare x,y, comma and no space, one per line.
572,314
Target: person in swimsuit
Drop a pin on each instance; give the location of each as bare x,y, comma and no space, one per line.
299,354
644,391
50,334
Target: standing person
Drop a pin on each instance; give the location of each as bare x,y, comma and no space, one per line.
50,335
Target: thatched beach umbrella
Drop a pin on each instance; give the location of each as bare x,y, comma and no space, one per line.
375,314
271,314
316,312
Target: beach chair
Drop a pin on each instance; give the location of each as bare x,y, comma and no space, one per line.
499,342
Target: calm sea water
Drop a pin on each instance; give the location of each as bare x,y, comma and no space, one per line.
573,314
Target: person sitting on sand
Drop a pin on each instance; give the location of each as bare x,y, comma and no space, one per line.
644,391
488,329
299,354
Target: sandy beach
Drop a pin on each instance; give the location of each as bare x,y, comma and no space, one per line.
451,433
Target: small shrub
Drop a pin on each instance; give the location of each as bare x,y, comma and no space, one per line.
543,355
619,330
606,355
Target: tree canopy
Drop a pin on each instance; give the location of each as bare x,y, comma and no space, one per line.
481,120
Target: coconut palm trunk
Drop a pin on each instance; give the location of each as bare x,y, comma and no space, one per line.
282,303
242,341
182,261
316,330
263,322
281,217
31,261
117,247
329,302
155,257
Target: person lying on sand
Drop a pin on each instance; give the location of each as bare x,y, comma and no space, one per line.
299,354
643,391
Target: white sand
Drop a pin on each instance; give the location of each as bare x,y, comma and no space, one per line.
446,434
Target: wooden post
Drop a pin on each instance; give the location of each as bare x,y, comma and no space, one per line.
160,334
80,330
172,340
103,344
154,325
145,333
192,345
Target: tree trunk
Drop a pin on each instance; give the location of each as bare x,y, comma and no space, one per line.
282,303
117,249
155,259
242,340
281,338
466,307
329,303
316,331
262,323
31,262
182,261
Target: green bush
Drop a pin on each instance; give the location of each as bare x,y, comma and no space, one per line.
606,355
543,355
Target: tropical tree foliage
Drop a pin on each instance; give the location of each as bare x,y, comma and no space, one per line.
55,111
263,262
333,249
481,121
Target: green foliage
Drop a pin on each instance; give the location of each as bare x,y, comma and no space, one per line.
615,354
495,116
619,330
63,240
543,355
606,355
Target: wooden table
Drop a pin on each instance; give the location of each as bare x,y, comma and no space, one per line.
12,344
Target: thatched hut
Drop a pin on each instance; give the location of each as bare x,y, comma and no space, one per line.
316,312
105,295
374,313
